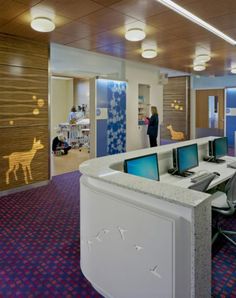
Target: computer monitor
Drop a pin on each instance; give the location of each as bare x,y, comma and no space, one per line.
143,166
186,159
218,148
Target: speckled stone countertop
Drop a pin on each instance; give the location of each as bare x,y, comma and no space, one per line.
104,169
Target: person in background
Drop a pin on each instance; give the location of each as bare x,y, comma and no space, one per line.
60,146
152,130
72,116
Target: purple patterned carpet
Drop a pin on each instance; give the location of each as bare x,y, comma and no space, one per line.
39,245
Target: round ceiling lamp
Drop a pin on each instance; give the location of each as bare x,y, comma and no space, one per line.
149,53
135,34
42,24
233,70
199,67
203,58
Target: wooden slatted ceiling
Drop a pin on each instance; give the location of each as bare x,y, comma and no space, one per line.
99,26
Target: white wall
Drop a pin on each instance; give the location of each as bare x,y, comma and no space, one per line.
147,75
82,92
74,62
201,83
61,101
80,63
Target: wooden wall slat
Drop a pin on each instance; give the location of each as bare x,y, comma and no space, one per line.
21,140
176,89
23,111
21,92
23,52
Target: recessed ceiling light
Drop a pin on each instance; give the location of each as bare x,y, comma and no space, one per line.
149,53
233,70
199,67
135,34
187,14
203,58
42,24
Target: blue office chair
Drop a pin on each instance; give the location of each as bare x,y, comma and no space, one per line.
225,203
203,184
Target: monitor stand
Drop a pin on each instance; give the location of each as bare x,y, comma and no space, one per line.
219,160
212,159
184,174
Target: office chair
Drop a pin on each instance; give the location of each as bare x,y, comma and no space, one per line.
225,203
203,184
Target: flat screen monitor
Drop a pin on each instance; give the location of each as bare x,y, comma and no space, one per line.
143,166
187,157
220,147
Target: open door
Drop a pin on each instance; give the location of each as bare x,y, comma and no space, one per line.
209,113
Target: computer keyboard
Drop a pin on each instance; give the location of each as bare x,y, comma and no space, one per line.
232,165
200,177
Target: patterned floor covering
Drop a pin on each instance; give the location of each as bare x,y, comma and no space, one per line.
39,245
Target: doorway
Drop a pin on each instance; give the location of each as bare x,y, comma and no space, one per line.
210,113
68,92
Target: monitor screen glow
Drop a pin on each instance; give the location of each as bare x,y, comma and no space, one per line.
187,157
143,166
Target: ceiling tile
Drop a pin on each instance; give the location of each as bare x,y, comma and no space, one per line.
139,9
78,30
73,9
28,3
55,37
107,19
107,2
10,9
86,44
21,25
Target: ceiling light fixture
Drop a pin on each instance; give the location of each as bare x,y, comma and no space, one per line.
203,58
185,13
135,34
42,24
149,53
199,67
233,70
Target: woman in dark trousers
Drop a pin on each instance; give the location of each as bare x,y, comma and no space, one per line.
152,130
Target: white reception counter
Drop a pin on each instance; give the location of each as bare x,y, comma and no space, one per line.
142,238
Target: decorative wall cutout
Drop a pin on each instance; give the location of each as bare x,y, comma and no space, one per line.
98,237
155,272
177,105
175,135
90,244
138,248
24,159
40,102
122,232
35,111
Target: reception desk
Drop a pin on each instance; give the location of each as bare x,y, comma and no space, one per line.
142,238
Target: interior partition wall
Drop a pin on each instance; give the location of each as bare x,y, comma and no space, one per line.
230,116
108,117
24,132
176,110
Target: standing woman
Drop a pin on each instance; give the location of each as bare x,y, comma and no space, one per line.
152,130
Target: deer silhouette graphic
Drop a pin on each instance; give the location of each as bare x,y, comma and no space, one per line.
24,159
175,135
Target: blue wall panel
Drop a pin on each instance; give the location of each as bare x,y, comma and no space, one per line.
101,138
111,132
230,117
231,97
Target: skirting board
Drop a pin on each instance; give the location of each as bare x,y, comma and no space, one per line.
23,188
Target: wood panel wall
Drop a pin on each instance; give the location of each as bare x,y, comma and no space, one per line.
176,89
24,128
